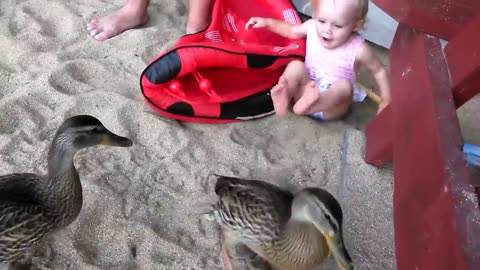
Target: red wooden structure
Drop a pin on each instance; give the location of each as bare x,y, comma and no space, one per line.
436,212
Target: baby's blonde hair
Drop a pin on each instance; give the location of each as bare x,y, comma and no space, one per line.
362,7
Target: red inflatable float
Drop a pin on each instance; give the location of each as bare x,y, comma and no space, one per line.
223,73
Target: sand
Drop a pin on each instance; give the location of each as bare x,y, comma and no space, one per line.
140,202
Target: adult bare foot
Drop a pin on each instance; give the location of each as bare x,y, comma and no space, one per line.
195,28
125,18
307,101
199,15
280,97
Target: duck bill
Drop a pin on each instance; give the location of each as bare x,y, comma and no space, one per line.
339,252
115,140
333,237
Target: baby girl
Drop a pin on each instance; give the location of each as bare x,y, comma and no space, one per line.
324,86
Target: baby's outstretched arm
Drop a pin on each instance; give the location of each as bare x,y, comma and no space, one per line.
366,57
282,28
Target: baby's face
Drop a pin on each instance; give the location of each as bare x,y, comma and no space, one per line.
335,20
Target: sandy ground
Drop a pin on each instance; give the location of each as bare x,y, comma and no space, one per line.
140,202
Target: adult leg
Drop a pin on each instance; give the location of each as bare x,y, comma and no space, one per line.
133,14
199,15
289,86
333,102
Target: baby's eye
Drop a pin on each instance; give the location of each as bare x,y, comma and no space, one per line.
321,21
338,26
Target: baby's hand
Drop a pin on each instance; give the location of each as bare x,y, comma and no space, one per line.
256,22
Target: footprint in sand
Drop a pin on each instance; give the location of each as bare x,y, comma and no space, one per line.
24,110
97,226
7,8
81,76
164,43
178,236
266,146
45,25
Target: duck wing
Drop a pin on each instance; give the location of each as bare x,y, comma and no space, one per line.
19,187
254,209
23,220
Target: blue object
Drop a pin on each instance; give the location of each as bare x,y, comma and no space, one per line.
472,154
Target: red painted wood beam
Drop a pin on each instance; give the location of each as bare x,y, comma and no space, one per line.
463,57
378,139
477,190
465,72
442,18
436,216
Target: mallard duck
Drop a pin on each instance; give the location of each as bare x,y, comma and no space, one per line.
289,231
33,206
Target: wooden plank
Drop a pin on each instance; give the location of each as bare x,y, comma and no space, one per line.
436,216
442,18
378,139
463,57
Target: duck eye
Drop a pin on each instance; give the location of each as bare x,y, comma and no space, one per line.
96,130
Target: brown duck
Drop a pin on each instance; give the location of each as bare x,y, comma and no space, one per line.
33,206
289,231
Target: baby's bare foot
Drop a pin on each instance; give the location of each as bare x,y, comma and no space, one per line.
123,19
307,101
280,96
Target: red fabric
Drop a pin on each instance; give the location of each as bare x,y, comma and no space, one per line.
219,54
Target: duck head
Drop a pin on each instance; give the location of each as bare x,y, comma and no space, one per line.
83,131
74,134
320,208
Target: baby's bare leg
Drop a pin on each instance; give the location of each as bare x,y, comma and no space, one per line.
280,96
288,86
333,102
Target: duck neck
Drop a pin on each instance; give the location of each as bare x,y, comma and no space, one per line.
63,195
60,158
304,240
298,232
